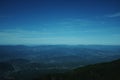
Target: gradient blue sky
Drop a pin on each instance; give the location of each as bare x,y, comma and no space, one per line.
60,22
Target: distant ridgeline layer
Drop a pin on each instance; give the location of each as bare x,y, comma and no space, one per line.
59,62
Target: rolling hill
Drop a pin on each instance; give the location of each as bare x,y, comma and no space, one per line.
101,71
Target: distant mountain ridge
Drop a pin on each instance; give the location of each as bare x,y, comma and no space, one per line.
26,62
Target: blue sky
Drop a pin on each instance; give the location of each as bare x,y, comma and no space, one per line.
60,22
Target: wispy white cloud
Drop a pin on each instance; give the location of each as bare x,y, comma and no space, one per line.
114,15
17,36
22,32
33,33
